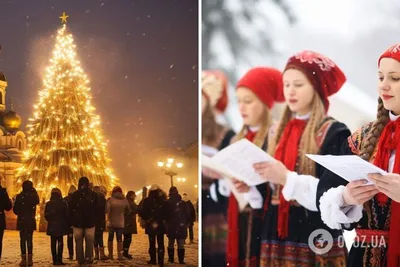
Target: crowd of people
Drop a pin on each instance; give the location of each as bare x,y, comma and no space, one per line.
300,196
86,213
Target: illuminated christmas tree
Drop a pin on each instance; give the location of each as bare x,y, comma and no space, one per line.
64,138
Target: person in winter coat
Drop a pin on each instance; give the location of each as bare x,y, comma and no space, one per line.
130,223
70,233
100,225
116,207
178,217
55,212
25,209
142,222
153,211
192,217
82,211
5,205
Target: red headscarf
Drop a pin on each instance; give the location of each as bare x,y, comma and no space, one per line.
222,102
326,77
265,83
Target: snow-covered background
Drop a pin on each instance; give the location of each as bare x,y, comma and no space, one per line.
238,35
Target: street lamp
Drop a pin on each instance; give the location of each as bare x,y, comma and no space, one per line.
181,179
170,168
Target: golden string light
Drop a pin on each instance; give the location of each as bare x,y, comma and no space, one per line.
65,140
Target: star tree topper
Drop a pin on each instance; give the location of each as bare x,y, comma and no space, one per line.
64,18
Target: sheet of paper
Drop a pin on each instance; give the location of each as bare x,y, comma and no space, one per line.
208,163
242,202
239,158
350,168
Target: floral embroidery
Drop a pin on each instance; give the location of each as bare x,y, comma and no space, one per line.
324,63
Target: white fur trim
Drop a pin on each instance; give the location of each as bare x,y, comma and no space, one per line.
254,198
333,212
223,188
302,188
208,150
213,192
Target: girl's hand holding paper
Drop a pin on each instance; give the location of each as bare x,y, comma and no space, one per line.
357,193
388,184
272,171
240,186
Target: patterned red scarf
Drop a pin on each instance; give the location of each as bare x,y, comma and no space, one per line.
232,253
287,152
388,142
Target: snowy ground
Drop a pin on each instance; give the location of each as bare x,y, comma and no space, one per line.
42,254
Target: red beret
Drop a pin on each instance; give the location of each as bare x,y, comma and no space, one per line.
326,77
391,52
265,83
222,101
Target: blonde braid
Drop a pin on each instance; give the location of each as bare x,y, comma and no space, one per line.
308,144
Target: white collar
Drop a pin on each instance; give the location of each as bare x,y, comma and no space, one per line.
254,128
393,117
303,117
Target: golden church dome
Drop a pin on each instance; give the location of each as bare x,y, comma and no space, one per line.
12,120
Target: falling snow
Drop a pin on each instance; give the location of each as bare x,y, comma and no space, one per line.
102,4
171,66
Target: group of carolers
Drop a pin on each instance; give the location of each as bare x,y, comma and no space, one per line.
300,196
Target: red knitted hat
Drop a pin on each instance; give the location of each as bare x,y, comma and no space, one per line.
391,52
265,83
222,101
326,77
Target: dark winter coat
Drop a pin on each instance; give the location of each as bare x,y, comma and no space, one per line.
178,217
101,213
116,207
25,209
5,205
55,212
130,218
82,208
192,213
154,213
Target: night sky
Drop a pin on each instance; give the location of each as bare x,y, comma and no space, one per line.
141,58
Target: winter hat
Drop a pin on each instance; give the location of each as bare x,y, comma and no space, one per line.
392,52
154,187
56,190
265,83
214,88
27,186
117,189
326,77
83,182
173,190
